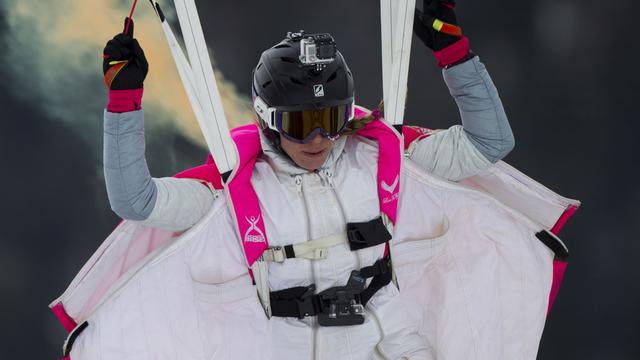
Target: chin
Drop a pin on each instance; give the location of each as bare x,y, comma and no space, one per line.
311,165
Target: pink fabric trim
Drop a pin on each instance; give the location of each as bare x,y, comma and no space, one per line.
453,52
566,215
245,202
67,322
360,112
208,172
124,100
389,162
414,133
559,268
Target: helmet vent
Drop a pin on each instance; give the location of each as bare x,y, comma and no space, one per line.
281,46
266,84
333,76
296,81
288,59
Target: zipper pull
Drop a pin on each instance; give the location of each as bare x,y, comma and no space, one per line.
329,177
298,179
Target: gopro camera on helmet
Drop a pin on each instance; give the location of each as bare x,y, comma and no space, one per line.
315,49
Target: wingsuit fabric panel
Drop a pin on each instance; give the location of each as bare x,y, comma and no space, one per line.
124,248
487,290
467,285
434,215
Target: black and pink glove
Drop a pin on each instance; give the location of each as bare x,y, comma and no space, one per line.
125,67
438,29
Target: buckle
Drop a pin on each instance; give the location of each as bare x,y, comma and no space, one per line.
275,254
355,235
366,234
306,301
320,253
340,305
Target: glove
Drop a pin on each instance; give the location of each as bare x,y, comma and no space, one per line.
125,67
438,29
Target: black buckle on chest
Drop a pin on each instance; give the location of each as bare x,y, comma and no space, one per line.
366,234
336,306
341,305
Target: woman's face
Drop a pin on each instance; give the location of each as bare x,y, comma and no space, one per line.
309,156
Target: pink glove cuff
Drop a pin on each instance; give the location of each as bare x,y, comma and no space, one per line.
453,52
125,100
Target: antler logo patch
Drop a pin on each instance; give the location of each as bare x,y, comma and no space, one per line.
253,234
390,189
318,90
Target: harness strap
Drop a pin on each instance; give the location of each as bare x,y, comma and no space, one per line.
314,249
358,235
301,301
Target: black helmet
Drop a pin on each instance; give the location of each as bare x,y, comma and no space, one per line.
302,86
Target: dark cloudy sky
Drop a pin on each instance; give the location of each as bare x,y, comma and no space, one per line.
565,70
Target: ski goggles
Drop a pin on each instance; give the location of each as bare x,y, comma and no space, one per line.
302,126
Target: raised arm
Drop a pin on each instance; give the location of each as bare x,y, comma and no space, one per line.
485,135
169,203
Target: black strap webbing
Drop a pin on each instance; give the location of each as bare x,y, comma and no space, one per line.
366,234
554,244
301,301
68,344
361,235
289,252
380,280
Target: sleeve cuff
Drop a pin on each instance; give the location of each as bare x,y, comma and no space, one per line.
452,53
125,100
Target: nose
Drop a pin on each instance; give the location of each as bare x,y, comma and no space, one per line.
316,140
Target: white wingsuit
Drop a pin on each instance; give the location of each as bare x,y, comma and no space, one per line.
474,280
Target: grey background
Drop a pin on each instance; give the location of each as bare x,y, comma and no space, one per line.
565,69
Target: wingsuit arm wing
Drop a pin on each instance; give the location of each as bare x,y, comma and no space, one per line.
168,203
485,136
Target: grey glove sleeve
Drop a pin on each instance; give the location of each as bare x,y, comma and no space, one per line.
483,116
132,193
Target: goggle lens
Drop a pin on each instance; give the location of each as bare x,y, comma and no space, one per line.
302,126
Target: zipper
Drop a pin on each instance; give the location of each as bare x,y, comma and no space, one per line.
327,177
359,259
298,181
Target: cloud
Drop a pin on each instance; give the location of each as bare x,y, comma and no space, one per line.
53,51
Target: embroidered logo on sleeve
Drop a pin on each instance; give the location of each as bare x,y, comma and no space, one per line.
253,233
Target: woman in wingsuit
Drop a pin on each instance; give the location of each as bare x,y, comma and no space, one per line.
324,197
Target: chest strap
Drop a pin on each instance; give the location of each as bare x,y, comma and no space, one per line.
336,306
313,250
358,235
